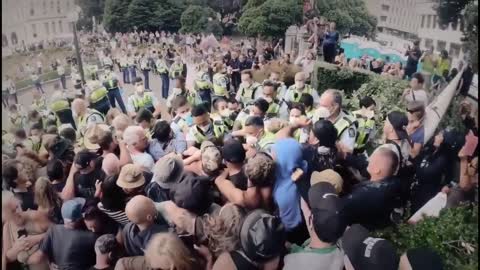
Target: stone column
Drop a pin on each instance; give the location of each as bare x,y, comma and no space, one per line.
302,37
290,38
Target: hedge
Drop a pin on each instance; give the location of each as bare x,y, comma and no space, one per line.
51,75
328,75
453,235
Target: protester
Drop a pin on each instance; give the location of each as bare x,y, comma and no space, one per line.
220,167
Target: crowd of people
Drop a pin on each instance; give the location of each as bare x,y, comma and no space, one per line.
223,171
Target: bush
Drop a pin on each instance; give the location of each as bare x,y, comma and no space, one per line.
453,235
385,91
330,76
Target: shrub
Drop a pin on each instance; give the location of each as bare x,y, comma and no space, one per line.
330,76
453,235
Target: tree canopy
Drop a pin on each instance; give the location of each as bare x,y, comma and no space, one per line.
270,18
200,19
114,18
351,16
450,11
90,8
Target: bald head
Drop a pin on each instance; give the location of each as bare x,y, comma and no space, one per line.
111,164
382,163
141,210
79,106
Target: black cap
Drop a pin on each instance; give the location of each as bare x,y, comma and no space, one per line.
424,258
262,236
366,252
233,151
84,157
399,122
325,206
192,193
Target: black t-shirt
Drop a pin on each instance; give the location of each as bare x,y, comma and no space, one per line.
85,183
240,180
69,249
58,187
27,200
412,63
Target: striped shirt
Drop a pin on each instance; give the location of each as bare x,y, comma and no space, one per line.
119,216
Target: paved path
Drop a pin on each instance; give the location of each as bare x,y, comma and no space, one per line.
25,97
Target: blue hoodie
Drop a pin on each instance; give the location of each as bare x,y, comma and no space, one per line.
288,157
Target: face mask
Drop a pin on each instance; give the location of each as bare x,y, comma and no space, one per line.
299,85
268,99
225,113
323,113
251,140
205,128
139,89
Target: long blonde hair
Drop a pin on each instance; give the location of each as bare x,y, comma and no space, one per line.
167,250
45,196
223,230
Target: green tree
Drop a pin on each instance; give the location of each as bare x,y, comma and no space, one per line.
90,8
351,16
167,14
114,18
450,11
270,18
141,14
195,19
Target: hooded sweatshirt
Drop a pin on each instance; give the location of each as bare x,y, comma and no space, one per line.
288,158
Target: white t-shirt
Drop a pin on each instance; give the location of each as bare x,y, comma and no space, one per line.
417,95
144,160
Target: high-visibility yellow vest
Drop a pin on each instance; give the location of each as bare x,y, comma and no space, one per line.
365,127
344,123
442,65
111,83
220,81
202,85
176,70
219,130
247,94
273,110
267,140
162,67
295,95
98,94
145,102
59,105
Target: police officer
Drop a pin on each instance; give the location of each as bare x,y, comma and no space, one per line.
132,66
180,90
145,67
85,116
344,122
294,92
107,62
203,87
141,99
248,90
366,123
61,108
256,136
176,70
220,81
258,108
162,70
98,98
124,67
112,84
204,128
277,108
